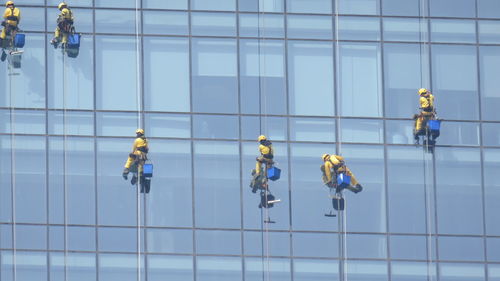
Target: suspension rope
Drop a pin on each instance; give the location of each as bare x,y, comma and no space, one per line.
139,125
65,162
13,169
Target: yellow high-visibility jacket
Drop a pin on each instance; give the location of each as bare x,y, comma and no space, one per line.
66,14
12,16
427,102
266,151
333,162
140,142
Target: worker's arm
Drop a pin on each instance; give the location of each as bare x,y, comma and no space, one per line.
6,13
328,171
136,143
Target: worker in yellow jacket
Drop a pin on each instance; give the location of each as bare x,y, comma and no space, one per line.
266,154
138,156
11,19
64,24
334,165
427,113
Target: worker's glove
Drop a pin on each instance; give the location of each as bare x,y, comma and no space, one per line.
133,156
4,23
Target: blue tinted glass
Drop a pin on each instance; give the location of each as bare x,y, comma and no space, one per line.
261,5
402,7
6,179
359,28
71,123
116,124
166,74
366,246
489,31
116,90
218,268
489,67
168,125
118,267
458,186
492,190
359,7
225,5
312,129
262,72
217,24
319,270
461,248
23,121
77,3
399,131
491,134
275,128
30,266
81,238
310,82
456,31
56,238
316,245
461,8
310,27
274,243
404,29
178,241
6,236
366,270
308,6
166,22
360,79
488,8
214,78
176,267
412,271
84,18
116,21
459,133
277,269
162,4
454,74
33,19
218,242
493,249
408,247
79,266
461,272
359,130
108,239
111,3
31,237
215,127
493,272
270,25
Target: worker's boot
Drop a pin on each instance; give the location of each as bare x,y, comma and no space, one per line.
133,181
3,56
125,173
357,188
54,42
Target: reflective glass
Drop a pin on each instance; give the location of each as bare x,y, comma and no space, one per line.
218,242
461,248
359,7
366,270
112,4
118,267
459,133
360,79
488,8
74,3
275,128
71,123
308,6
166,74
404,29
261,25
362,130
116,21
56,238
116,124
491,134
114,239
318,270
359,28
162,4
399,131
309,27
6,178
116,90
316,245
276,269
83,18
168,125
261,5
310,83
461,272
216,178
31,237
215,127
492,190
493,272
262,77
489,32
457,185
78,266
214,75
454,76
6,236
409,247
489,67
312,129
33,19
214,24
221,5
366,246
401,7
218,268
456,31
30,266
412,271
461,8
81,238
165,22
269,243
178,241
177,268
23,121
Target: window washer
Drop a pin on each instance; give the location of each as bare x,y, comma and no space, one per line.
64,25
334,165
428,112
12,17
259,174
137,157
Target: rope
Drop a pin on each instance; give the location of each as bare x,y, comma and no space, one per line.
65,179
338,104
139,125
13,171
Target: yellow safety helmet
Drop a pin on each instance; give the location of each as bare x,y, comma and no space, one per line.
261,138
9,3
325,157
139,131
62,5
422,91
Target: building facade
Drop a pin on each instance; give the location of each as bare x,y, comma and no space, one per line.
204,78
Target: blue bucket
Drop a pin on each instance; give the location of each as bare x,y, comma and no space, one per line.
343,180
434,125
273,173
19,40
147,170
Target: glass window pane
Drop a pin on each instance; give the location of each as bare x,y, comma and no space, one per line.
165,22
399,131
84,18
30,266
261,5
401,7
117,239
116,124
275,128
308,6
491,134
359,28
271,25
218,268
461,248
276,269
214,78
33,19
454,71
56,238
71,123
459,133
6,236
31,237
366,246
74,3
274,243
215,127
366,270
412,271
310,78
81,238
360,79
310,27
316,245
404,29
488,8
79,266
456,31
218,242
489,67
318,270
177,268
493,249
162,4
118,267
362,130
359,7
112,4
23,121
461,8
492,190
172,241
223,5
168,125
493,272
461,272
312,129
408,247
116,21
489,32
216,24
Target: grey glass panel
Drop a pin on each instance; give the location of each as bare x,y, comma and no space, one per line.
307,6
310,68
316,245
456,31
270,25
359,130
23,121
492,190
171,204
459,133
25,87
218,242
409,247
70,81
319,270
81,238
168,125
269,243
310,27
117,239
118,267
364,270
166,74
31,237
83,19
79,266
77,3
276,269
175,267
56,238
71,123
461,8
461,272
214,78
312,129
262,77
117,124
489,32
6,265
33,19
116,21
275,128
359,7
30,266
216,178
216,24
401,7
6,236
461,248
6,172
215,126
366,246
404,29
170,241
488,8
112,4
399,131
489,67
359,28
218,269
412,271
493,272
224,5
162,4
116,90
71,180
261,5
491,134
454,74
458,185
166,22
360,79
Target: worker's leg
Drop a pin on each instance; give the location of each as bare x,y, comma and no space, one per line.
258,166
3,34
355,186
